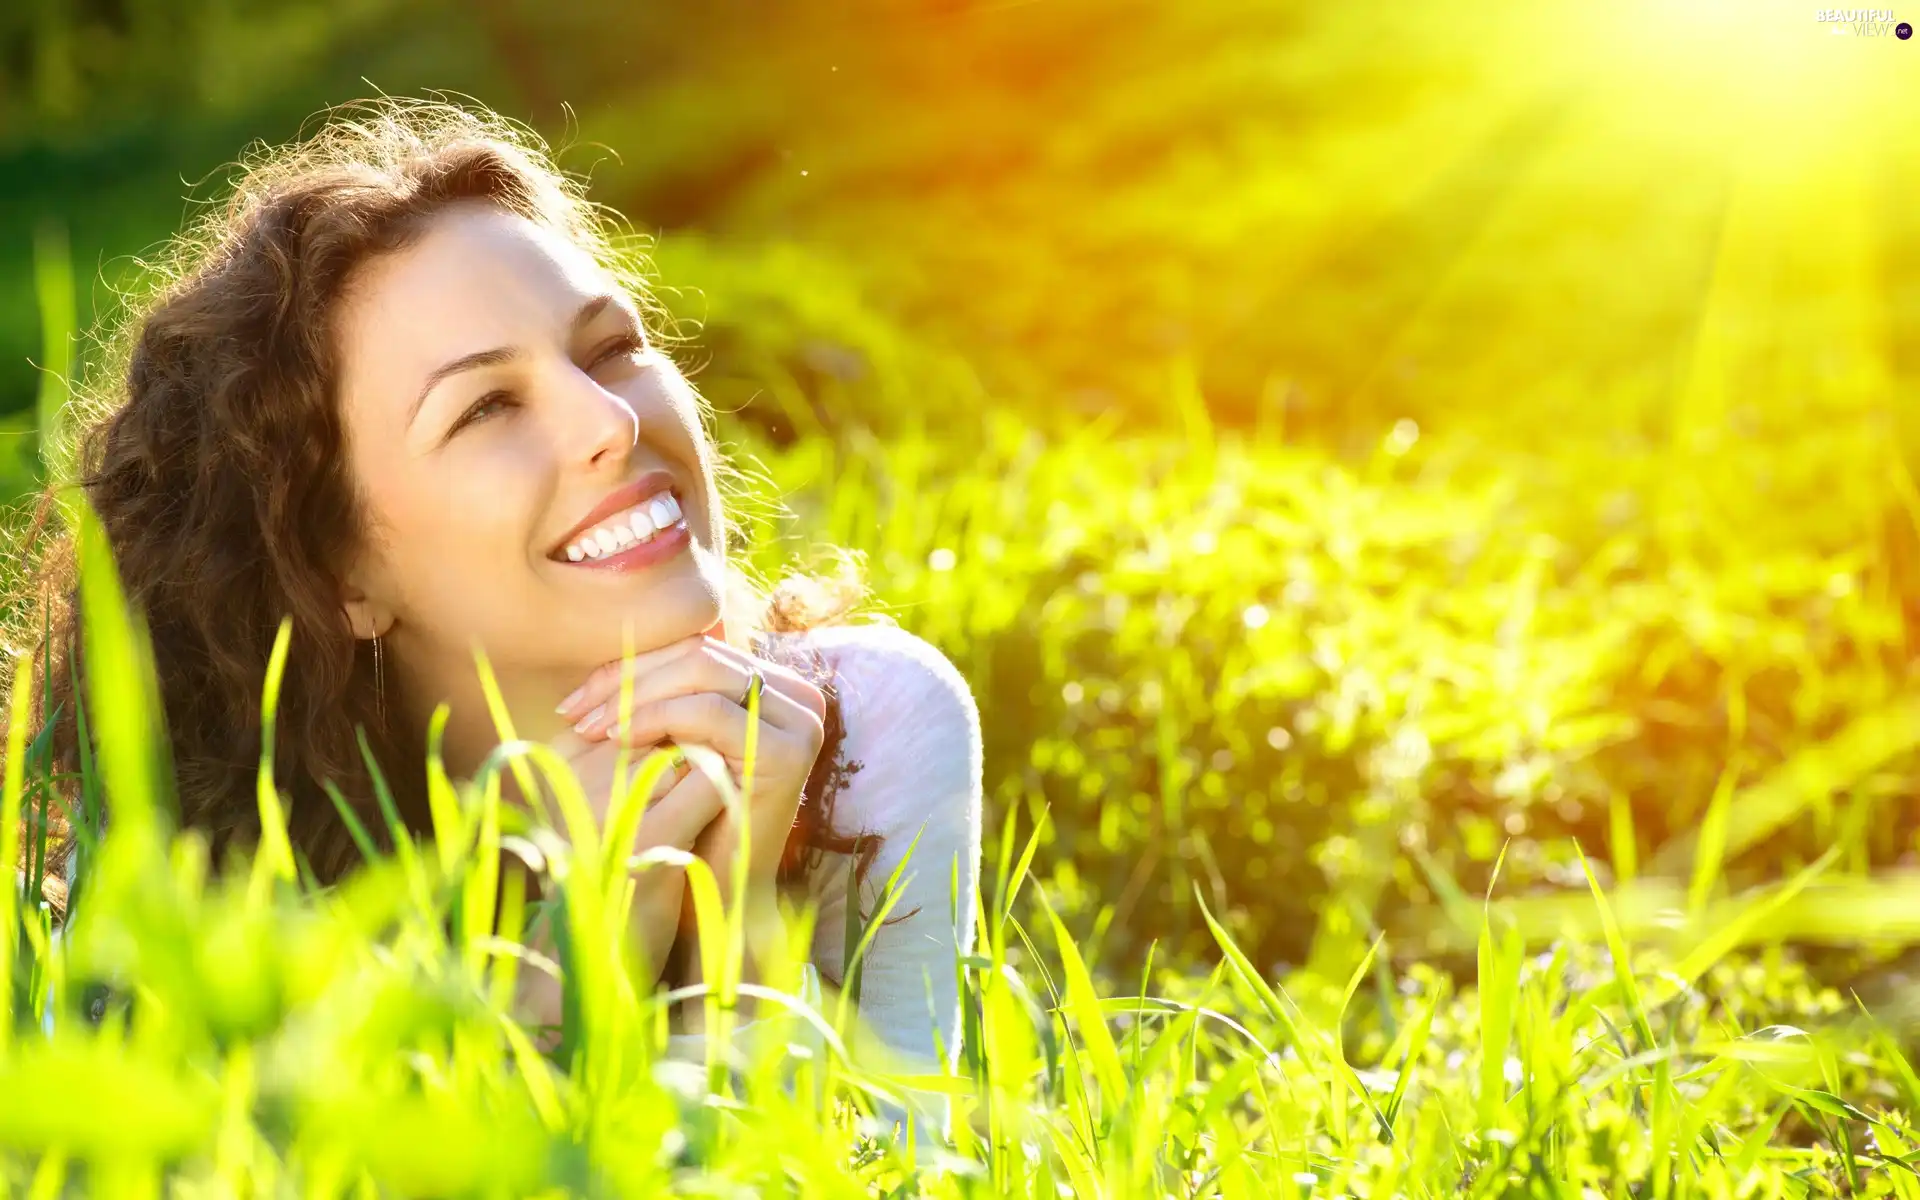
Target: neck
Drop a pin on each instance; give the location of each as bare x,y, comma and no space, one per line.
471,732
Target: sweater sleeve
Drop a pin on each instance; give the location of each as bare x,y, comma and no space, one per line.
913,726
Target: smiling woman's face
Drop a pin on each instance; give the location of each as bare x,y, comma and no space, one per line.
497,389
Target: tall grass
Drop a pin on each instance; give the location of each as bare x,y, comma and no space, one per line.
1648,1034
273,1037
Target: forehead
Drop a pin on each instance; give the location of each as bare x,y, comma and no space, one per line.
478,277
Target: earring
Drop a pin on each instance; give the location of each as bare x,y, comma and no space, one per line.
379,681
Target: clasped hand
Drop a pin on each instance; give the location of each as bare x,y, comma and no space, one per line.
690,692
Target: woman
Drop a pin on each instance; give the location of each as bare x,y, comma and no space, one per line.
402,389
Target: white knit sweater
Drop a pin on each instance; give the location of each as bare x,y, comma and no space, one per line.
912,723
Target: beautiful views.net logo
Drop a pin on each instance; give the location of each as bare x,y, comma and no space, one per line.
1865,22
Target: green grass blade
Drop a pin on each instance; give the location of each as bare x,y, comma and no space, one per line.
11,788
123,696
1420,1030
1712,844
274,858
355,828
1729,934
1622,962
1084,1004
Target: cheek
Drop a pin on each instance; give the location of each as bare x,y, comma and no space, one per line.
670,410
460,533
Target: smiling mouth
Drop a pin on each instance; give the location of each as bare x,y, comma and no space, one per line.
640,525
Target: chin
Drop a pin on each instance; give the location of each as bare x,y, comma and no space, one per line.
668,610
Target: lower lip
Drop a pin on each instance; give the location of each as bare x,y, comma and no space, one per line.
660,547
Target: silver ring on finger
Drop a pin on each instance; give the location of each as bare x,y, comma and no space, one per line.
757,683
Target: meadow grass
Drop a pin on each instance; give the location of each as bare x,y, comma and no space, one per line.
1366,726
262,1035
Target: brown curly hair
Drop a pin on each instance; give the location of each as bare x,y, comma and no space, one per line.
210,446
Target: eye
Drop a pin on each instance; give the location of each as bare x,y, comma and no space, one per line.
626,345
480,406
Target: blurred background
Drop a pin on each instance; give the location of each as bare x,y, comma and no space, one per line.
1342,444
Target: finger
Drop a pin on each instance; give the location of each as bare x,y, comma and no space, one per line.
678,818
801,691
769,830
601,694
590,764
781,678
787,699
708,671
638,758
604,680
715,721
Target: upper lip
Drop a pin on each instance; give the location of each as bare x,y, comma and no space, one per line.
620,499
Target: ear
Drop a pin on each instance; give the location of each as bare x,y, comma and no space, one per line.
365,615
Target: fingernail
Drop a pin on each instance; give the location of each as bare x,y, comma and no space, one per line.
590,718
572,699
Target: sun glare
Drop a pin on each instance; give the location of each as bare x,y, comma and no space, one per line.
1773,79
1726,170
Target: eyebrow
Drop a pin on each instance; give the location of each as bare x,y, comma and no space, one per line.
500,354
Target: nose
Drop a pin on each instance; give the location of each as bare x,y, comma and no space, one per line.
602,427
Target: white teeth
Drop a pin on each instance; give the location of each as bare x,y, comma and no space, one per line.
637,524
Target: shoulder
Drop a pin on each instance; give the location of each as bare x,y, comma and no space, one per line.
890,675
911,723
